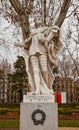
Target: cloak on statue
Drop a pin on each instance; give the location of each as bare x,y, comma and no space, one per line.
54,45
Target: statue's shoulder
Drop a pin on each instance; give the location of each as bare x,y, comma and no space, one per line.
39,30
34,32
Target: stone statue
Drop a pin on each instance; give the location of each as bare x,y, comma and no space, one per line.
40,56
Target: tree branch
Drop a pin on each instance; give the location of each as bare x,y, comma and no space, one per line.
17,6
63,12
44,12
23,17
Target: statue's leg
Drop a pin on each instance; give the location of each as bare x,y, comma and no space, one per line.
44,69
35,66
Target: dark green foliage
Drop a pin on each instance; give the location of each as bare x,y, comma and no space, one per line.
19,78
68,108
2,112
55,71
9,105
69,105
64,112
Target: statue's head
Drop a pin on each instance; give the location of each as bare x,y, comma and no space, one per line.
38,19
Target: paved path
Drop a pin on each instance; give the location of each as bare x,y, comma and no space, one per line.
68,128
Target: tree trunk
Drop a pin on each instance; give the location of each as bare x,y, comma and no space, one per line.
21,95
44,12
23,17
63,12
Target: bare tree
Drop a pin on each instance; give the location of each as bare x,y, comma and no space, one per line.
20,10
5,67
53,12
68,61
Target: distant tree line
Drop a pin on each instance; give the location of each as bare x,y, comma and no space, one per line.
17,80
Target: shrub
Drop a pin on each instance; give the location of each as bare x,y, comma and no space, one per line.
2,112
68,105
9,105
64,112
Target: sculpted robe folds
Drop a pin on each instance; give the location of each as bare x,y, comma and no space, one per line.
37,47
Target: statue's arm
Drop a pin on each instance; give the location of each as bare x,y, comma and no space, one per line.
28,40
19,45
53,32
25,44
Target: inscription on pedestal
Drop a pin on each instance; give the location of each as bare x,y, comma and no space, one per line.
39,98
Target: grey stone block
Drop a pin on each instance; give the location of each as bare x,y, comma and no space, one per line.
51,119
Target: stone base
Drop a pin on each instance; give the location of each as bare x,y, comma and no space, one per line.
38,116
39,98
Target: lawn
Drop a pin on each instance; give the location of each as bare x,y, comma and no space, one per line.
64,109
68,123
15,123
9,123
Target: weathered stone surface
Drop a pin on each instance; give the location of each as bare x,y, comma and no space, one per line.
50,110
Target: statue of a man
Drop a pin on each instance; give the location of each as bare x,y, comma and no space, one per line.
41,56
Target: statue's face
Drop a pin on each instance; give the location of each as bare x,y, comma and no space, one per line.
38,21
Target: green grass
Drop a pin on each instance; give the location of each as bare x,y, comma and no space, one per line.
10,105
68,105
9,123
64,109
15,123
68,123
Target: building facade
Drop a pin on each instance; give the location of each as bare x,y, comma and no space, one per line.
60,85
65,85
3,89
76,90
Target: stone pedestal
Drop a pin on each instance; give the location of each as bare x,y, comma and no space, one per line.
38,115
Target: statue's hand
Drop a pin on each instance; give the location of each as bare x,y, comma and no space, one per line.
19,44
28,40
